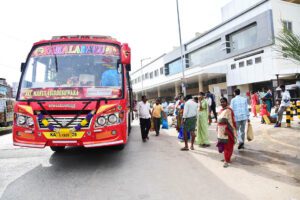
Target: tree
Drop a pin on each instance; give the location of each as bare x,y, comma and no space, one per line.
289,44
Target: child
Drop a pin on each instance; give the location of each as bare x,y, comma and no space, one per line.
263,111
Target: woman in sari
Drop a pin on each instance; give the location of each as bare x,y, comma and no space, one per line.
202,122
226,131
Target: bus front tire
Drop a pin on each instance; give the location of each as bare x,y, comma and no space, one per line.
58,149
119,147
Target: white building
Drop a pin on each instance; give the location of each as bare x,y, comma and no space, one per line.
239,52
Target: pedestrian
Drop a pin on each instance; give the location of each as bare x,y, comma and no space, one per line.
254,103
179,112
264,111
156,115
239,106
213,105
208,99
164,104
226,129
145,116
189,121
268,100
285,102
262,94
202,122
135,111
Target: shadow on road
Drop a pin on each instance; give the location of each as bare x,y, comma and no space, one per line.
152,170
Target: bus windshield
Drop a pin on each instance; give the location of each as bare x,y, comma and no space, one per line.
72,71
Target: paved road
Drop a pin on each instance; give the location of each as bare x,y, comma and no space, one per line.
153,170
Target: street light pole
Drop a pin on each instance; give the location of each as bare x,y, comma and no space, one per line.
181,52
143,59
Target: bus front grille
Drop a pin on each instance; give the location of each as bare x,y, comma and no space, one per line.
64,121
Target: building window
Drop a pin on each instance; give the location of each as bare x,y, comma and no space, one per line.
161,70
173,67
146,75
243,38
241,64
151,75
204,55
257,60
287,25
233,66
156,73
249,62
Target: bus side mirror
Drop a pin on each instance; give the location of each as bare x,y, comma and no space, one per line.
23,65
125,54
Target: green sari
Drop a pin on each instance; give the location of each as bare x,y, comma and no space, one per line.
202,124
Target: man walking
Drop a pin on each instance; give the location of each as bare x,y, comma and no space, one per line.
145,115
239,106
189,121
285,102
213,105
156,114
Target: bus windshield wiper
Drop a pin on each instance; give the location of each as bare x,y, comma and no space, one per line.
55,58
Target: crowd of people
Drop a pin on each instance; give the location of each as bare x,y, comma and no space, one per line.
193,117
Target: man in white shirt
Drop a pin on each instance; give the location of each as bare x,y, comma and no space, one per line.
189,121
144,110
285,102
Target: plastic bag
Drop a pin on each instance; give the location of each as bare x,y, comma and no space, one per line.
165,124
250,135
180,134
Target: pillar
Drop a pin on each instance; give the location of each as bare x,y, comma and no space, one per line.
200,84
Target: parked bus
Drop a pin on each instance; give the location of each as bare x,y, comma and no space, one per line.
74,91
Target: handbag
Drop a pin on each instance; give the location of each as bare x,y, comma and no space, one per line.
222,135
250,135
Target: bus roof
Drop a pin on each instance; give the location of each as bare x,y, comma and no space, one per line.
79,38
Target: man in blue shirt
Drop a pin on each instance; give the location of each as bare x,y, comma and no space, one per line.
239,106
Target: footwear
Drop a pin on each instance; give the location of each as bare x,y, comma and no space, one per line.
147,138
277,125
225,165
241,146
144,140
156,134
192,148
184,149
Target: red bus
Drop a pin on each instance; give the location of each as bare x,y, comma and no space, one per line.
74,91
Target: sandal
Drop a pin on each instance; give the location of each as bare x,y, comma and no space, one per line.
226,165
184,149
192,148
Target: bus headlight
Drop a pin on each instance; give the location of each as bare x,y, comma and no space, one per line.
101,121
21,120
29,121
112,118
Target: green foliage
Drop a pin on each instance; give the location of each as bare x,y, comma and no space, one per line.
289,45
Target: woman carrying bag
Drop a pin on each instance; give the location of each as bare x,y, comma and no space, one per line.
226,129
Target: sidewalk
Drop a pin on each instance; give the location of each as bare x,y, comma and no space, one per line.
268,167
